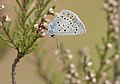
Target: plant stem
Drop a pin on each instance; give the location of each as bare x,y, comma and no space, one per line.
44,76
116,65
11,40
42,73
14,65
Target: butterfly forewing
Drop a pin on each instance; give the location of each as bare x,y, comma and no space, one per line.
66,23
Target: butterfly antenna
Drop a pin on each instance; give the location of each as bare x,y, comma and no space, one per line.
57,42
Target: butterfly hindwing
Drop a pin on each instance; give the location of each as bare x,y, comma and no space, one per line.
66,23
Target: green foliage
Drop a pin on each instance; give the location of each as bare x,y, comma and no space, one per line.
20,5
24,36
3,38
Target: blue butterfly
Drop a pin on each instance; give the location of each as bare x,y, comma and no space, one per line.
66,23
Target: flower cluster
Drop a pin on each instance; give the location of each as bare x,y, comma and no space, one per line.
111,6
64,55
91,76
4,18
72,76
113,18
2,7
43,26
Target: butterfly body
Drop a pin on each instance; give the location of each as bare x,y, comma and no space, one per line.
66,23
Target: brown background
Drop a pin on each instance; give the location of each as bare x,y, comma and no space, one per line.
91,13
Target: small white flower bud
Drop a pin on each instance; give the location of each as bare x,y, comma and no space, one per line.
84,51
89,64
115,3
45,16
107,61
66,82
2,6
43,34
107,82
92,75
47,20
72,65
36,26
42,30
78,81
94,80
112,17
74,80
116,57
56,13
110,1
68,51
109,9
45,24
72,71
117,82
70,56
54,0
87,78
68,76
57,52
116,29
6,18
51,10
116,16
109,45
114,10
76,74
105,6
115,22
1,24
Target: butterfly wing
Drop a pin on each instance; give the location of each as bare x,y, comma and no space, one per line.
66,23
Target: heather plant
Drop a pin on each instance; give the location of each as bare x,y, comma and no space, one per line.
31,24
83,70
2,45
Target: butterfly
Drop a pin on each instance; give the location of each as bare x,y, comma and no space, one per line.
66,23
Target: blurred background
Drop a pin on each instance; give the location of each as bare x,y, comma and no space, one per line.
92,15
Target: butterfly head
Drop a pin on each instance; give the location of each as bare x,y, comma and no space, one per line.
51,30
53,35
